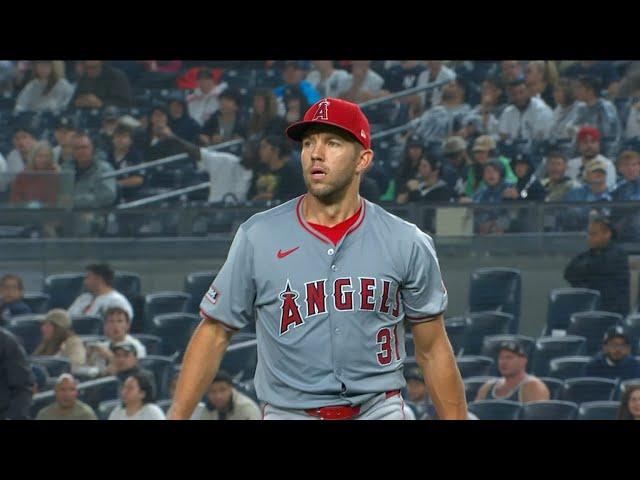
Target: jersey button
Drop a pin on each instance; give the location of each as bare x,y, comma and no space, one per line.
333,267
330,252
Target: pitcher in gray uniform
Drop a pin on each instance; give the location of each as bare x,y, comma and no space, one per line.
331,281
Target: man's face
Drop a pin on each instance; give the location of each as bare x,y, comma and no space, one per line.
176,109
416,390
510,364
131,392
519,95
159,118
66,394
510,69
360,67
292,75
480,156
454,159
491,176
489,94
434,65
206,84
267,152
556,168
124,360
616,349
23,142
63,136
532,74
424,169
82,151
122,141
414,153
521,169
597,180
451,91
581,92
589,147
93,68
116,327
228,105
220,395
630,167
10,290
43,159
597,235
93,282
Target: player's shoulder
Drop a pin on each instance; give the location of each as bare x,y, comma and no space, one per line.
391,223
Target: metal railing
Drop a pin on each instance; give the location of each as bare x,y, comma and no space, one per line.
163,196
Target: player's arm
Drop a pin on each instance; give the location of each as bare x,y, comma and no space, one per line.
435,357
199,367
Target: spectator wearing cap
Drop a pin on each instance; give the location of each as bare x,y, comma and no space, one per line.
588,140
224,402
227,123
100,295
527,187
540,76
293,76
364,84
59,339
12,298
595,188
629,167
483,118
558,183
179,119
124,154
526,117
101,85
494,220
327,80
16,379
436,71
138,395
615,359
630,404
49,90
515,383
484,149
603,267
456,165
63,131
39,183
598,112
67,406
24,140
124,360
203,102
564,125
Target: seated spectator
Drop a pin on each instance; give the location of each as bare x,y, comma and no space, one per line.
627,219
557,184
197,412
365,84
595,188
630,404
58,339
159,73
39,183
455,168
604,70
515,383
101,85
295,104
67,406
5,179
435,72
526,117
63,131
418,395
484,149
540,77
588,140
264,116
224,402
293,76
157,144
428,186
203,102
511,70
100,295
48,91
483,118
24,141
124,154
103,141
564,126
138,395
604,267
327,80
90,190
11,298
527,187
631,123
495,220
16,379
179,119
124,361
615,359
414,150
227,123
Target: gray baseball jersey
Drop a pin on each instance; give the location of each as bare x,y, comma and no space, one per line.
329,319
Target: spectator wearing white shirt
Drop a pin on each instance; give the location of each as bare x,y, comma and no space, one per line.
203,102
48,91
24,141
435,72
365,84
328,81
138,396
564,126
526,118
632,121
588,140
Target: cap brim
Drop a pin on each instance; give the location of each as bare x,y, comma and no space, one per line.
296,130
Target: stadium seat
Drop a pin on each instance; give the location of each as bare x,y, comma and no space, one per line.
162,369
86,324
128,284
105,408
240,360
632,324
602,410
554,385
497,289
474,365
38,301
481,324
41,400
55,366
472,386
92,392
588,389
152,343
623,385
41,376
455,327
568,367
163,302
196,284
547,348
63,288
175,330
549,410
495,409
491,344
592,326
563,302
27,328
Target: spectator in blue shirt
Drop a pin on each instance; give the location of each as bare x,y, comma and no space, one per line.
293,75
595,188
11,294
615,359
494,220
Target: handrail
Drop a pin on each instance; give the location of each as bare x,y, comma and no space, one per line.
403,93
163,196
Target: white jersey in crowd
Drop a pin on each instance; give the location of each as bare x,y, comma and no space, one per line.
564,125
532,123
226,175
632,128
149,411
202,105
338,82
33,99
15,162
372,82
575,170
424,78
88,304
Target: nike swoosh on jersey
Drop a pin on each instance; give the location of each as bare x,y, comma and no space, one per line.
282,254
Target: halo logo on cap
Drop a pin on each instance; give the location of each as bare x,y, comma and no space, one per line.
322,113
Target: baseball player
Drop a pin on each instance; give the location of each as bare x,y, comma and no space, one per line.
331,280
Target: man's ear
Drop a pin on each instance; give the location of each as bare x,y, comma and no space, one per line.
365,161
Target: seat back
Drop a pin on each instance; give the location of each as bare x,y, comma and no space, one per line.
38,301
196,284
63,288
161,303
547,348
495,409
568,367
563,302
555,386
588,389
549,410
497,289
599,410
86,324
93,392
28,330
474,365
482,324
455,328
240,360
162,369
55,366
593,325
175,330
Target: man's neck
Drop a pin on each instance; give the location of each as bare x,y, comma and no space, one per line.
587,159
525,106
103,290
591,101
333,213
430,180
514,380
453,103
133,409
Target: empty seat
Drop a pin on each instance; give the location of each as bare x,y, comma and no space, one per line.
28,330
563,302
86,324
555,386
127,283
547,348
474,365
38,301
491,346
63,288
55,366
162,369
549,410
592,326
482,324
152,343
196,284
93,392
40,401
495,409
455,327
599,410
240,360
496,289
175,330
588,389
623,386
161,303
105,408
473,384
632,324
568,367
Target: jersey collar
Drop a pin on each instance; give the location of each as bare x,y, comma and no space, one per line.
323,238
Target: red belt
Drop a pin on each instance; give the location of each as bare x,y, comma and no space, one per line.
341,412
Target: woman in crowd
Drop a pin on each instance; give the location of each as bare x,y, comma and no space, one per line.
48,91
264,115
137,400
565,116
58,339
40,181
630,404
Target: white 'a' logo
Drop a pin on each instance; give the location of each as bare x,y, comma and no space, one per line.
322,113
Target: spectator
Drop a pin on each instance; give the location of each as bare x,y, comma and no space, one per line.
615,359
414,150
630,404
48,91
540,78
557,184
5,179
564,126
63,132
124,361
100,295
328,81
40,183
627,219
511,70
138,395
493,220
90,190
292,76
483,118
365,84
224,402
282,179
264,115
227,123
595,190
11,298
527,117
403,76
16,379
527,186
598,113
180,121
124,154
102,85
515,384
604,70
588,140
428,187
484,149
203,102
104,139
24,141
157,144
435,72
418,395
456,165
58,339
67,406
295,104
632,118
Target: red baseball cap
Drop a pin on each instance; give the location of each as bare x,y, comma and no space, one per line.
339,113
588,132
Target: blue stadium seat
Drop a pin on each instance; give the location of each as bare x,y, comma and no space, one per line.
196,284
632,325
162,369
40,401
175,330
92,392
128,284
86,324
455,328
623,385
549,410
491,345
474,365
592,326
588,389
498,289
481,324
55,366
563,302
41,377
599,410
105,408
240,360
495,409
38,301
152,343
555,386
547,348
163,302
473,384
27,328
568,367
63,288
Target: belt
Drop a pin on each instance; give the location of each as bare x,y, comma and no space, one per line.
341,412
